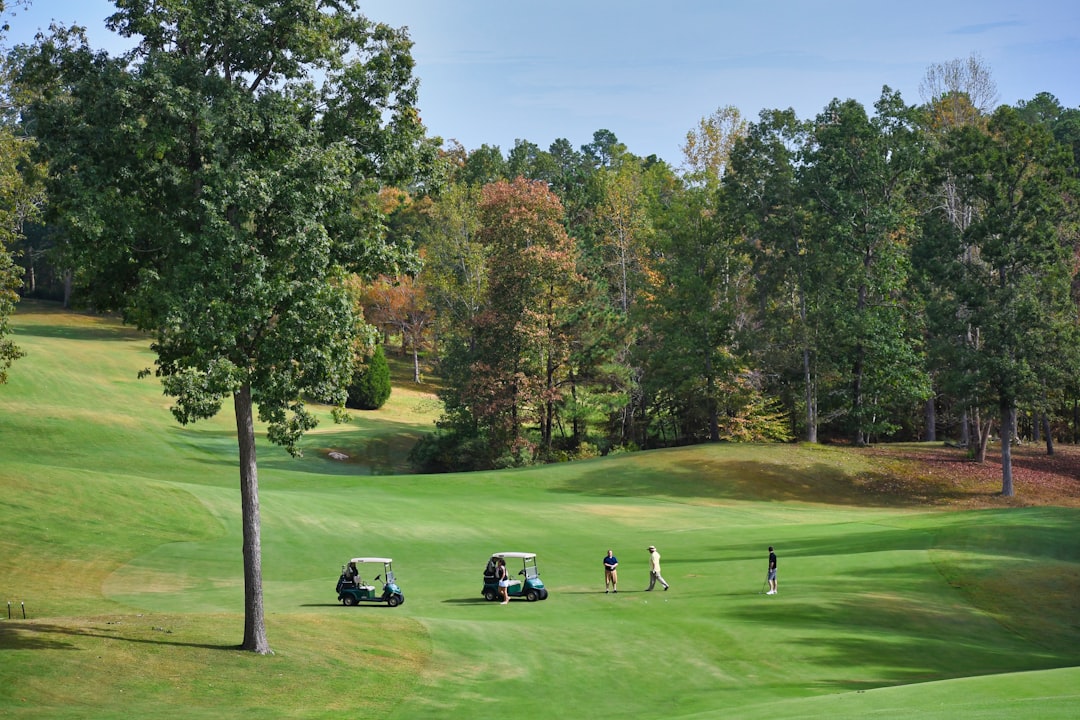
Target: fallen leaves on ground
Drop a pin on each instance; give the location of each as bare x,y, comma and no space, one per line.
936,474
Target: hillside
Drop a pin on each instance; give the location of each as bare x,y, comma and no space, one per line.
907,586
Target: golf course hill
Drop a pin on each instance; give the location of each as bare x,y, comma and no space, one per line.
907,586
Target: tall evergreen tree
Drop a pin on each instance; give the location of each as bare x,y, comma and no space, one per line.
765,203
856,173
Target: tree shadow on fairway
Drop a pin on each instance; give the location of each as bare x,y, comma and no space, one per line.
83,332
363,603
694,475
382,449
870,540
1030,533
892,640
601,592
45,636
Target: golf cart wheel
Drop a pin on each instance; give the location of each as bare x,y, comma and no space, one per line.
394,600
543,594
490,595
348,600
532,596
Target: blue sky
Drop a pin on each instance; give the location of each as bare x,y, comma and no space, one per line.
493,71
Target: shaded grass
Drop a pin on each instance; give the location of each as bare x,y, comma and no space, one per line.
150,664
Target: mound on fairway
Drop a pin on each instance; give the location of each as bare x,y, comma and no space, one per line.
122,541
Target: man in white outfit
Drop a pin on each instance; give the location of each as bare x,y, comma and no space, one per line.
654,570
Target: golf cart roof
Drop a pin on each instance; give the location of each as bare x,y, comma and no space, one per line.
519,555
371,560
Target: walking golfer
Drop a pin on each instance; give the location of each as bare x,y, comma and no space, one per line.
654,569
772,572
611,576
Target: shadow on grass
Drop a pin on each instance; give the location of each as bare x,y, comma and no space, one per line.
380,453
707,478
470,601
15,635
1027,533
85,332
908,642
363,603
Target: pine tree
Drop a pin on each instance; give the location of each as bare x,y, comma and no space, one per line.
370,386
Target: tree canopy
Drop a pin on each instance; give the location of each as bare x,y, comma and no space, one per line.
216,184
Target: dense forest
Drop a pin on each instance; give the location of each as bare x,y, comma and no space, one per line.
902,274
905,272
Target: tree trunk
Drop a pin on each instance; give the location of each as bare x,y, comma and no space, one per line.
710,400
415,365
811,399
965,430
1046,432
931,421
68,276
1076,420
857,397
1008,420
983,431
254,620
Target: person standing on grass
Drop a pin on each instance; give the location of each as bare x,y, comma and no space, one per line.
611,578
772,572
654,570
504,581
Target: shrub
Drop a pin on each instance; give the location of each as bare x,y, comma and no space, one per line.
370,386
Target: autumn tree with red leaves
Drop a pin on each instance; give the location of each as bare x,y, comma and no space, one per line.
510,379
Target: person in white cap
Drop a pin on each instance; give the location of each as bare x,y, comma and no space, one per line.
654,570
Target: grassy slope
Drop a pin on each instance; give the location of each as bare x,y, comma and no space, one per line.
121,534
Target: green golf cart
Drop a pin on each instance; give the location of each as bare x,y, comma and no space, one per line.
527,585
353,590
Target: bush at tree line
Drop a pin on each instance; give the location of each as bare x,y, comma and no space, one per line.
370,386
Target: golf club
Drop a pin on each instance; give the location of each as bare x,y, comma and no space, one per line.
762,590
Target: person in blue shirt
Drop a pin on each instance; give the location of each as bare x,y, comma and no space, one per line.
611,577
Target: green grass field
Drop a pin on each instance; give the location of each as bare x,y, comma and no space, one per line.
119,534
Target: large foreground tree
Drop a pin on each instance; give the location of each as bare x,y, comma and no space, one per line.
217,185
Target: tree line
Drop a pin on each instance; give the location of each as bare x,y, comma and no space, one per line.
905,273
902,273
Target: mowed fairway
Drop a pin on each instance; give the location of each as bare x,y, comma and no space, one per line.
119,530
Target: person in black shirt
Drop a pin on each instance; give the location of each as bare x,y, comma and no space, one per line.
772,572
